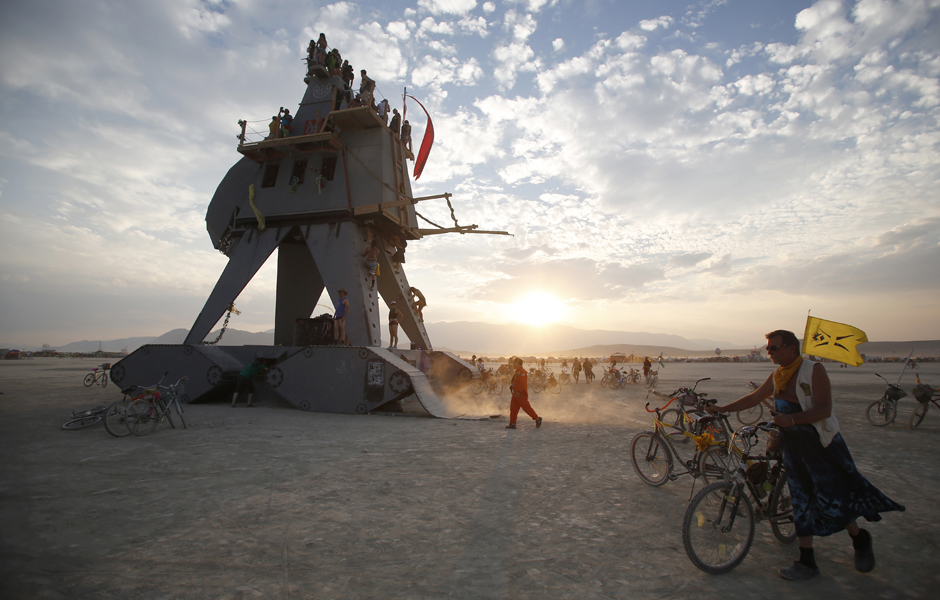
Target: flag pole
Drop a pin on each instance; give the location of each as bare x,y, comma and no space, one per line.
904,368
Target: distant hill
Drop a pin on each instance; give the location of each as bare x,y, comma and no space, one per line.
487,338
505,340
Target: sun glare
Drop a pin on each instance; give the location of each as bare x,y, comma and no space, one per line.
538,308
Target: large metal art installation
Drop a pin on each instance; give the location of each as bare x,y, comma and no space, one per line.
319,193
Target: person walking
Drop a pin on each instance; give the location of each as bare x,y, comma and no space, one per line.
576,370
394,316
520,397
827,491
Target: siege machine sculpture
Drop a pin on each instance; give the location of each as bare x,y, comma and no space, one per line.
318,195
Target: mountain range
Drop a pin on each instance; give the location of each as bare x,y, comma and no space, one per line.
489,339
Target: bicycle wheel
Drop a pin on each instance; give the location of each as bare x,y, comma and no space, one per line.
674,421
164,412
179,411
752,415
104,380
476,387
89,380
538,386
780,509
497,388
564,379
141,417
881,412
713,464
651,459
718,527
115,421
554,387
918,415
85,420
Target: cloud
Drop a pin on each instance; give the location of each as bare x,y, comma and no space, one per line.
654,24
447,7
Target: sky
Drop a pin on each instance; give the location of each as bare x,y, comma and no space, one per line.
711,169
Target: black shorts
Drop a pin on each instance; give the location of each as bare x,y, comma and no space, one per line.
243,384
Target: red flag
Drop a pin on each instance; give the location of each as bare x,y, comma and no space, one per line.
425,149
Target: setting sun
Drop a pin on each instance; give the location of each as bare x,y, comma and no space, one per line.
538,308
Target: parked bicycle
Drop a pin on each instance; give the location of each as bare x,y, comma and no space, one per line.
564,378
542,380
489,382
652,379
85,418
883,411
98,374
755,414
654,454
144,414
718,527
925,396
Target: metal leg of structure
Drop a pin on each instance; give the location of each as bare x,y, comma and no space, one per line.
243,263
299,286
394,286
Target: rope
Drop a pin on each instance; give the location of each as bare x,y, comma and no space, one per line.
452,215
428,220
231,309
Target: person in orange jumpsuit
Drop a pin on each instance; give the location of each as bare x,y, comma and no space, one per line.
520,396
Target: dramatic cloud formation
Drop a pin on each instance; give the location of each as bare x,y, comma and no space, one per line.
714,171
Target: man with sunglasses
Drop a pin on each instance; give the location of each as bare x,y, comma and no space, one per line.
828,492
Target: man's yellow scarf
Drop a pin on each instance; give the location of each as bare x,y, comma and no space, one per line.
783,374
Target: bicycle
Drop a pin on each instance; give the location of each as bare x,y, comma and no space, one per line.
94,377
883,411
493,384
755,414
115,417
654,455
85,418
144,414
564,378
718,526
652,379
925,396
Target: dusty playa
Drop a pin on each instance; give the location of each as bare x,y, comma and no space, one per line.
278,503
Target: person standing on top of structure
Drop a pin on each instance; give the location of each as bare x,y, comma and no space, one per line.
348,75
520,397
273,126
827,491
321,49
383,111
394,316
286,121
339,318
366,87
395,125
406,135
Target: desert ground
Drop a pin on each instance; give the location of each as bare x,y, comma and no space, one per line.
274,502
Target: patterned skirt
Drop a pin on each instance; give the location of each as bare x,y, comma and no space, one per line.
828,491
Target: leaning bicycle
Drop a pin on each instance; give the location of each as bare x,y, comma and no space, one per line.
925,396
657,460
144,414
718,526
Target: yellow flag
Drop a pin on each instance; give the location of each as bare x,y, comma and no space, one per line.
251,202
828,339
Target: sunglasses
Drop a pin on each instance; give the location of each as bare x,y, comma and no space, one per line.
775,348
